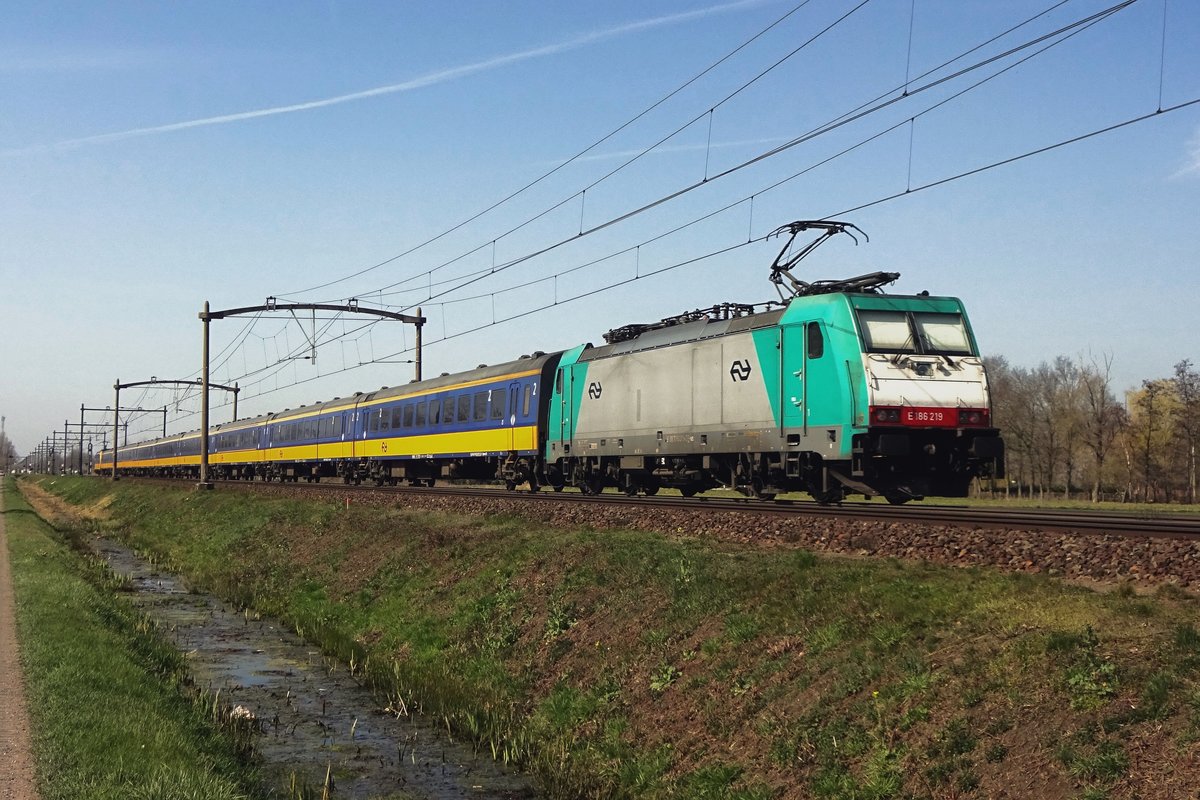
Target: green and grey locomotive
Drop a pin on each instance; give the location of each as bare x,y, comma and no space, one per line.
839,390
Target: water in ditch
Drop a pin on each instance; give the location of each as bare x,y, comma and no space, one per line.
314,718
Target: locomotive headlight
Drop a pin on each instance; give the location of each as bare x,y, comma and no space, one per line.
972,416
885,414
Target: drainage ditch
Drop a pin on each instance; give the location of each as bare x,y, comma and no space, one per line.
316,725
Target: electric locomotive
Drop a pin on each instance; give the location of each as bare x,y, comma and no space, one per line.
839,389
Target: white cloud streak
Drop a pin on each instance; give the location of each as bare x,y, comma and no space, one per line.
1192,167
420,82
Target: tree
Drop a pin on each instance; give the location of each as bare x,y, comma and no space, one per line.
8,453
1149,436
1103,417
1186,384
1012,413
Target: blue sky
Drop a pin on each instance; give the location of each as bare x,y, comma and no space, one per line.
154,156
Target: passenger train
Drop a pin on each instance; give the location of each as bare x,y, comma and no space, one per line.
840,389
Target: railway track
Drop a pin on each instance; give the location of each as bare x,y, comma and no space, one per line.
1163,524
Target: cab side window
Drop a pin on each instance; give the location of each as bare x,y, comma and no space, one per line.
816,341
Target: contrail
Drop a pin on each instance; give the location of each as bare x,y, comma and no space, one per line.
1193,157
419,82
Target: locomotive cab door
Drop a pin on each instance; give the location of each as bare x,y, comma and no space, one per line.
568,410
811,391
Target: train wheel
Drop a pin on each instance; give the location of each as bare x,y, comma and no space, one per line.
898,499
689,490
592,484
757,485
829,498
510,486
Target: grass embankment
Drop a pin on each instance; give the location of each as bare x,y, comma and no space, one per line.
619,664
109,720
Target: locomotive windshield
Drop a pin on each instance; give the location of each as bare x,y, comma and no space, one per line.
923,332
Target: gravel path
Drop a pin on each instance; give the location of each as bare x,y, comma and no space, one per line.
16,757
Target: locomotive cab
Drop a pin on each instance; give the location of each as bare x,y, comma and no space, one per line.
928,426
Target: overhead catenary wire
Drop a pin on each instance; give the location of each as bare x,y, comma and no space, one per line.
513,195
844,119
582,193
1064,33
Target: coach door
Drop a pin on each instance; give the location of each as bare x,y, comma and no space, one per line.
514,396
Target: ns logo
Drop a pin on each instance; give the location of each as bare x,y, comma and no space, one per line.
740,370
594,390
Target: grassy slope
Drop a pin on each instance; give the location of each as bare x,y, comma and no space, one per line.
108,721
612,663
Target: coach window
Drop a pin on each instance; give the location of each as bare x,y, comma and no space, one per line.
480,403
497,404
397,414
464,408
408,415
373,422
385,417
816,342
419,419
528,395
448,411
435,411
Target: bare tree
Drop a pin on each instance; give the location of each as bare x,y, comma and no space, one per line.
1104,417
1012,411
1149,406
1186,384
